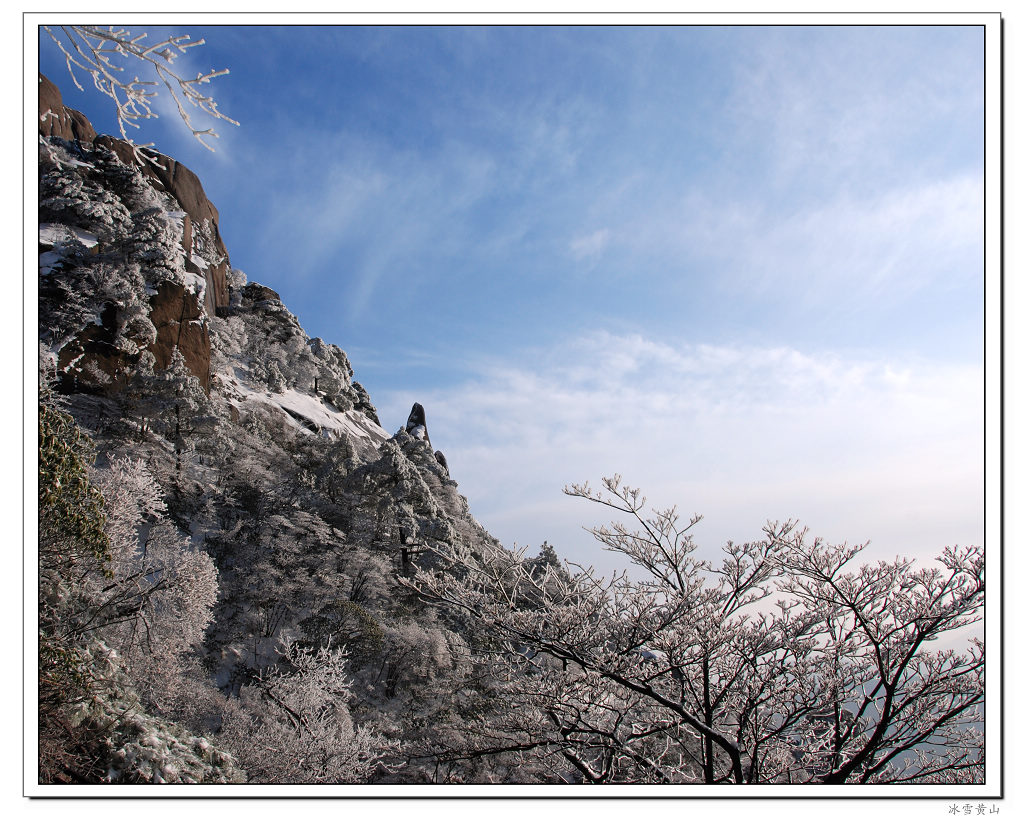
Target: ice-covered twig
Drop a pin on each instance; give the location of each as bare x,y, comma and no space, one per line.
94,49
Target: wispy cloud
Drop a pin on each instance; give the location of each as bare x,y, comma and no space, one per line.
852,107
588,246
886,246
887,450
387,215
372,216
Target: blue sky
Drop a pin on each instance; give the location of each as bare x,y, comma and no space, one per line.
741,266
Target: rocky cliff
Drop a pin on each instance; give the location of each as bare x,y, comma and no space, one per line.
267,456
101,199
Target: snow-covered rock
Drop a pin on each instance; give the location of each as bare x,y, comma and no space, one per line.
303,411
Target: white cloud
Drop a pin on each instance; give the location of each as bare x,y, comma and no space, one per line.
886,450
883,247
853,107
590,245
845,166
853,249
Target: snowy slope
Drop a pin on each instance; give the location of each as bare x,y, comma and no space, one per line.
304,411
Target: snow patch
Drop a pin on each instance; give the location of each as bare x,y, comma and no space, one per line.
56,233
196,283
308,413
49,260
74,161
73,363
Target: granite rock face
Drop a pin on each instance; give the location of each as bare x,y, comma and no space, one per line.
179,321
416,427
57,120
94,187
165,174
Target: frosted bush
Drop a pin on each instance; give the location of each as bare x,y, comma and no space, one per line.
292,724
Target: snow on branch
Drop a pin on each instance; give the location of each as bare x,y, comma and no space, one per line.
777,663
97,50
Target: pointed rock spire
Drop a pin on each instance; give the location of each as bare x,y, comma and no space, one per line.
416,425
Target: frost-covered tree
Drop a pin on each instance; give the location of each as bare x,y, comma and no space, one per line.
171,402
275,379
175,585
694,674
292,724
94,588
399,512
333,371
72,540
327,464
88,275
110,55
